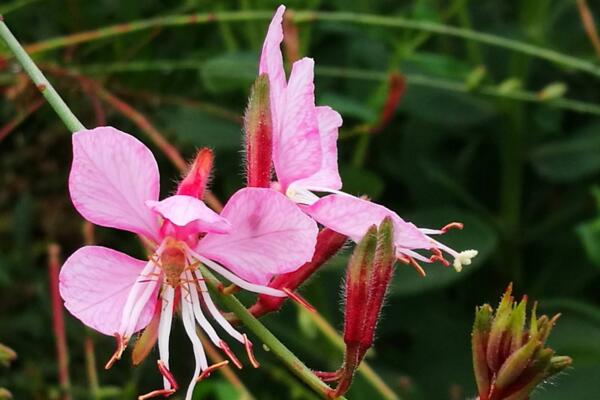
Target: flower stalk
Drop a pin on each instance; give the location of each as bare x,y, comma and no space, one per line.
269,340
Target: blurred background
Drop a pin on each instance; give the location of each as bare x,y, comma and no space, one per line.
494,136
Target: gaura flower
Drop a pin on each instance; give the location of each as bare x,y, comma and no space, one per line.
305,161
114,182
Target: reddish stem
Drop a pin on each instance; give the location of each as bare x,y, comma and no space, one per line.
396,88
7,128
58,323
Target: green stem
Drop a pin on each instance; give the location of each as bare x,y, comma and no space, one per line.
348,73
15,5
274,345
309,16
48,91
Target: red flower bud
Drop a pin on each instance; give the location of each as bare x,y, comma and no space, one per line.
195,182
258,128
328,244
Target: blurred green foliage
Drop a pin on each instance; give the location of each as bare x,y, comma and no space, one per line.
520,174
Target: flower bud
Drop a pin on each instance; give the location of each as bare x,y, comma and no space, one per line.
258,128
381,275
368,276
509,361
5,394
7,355
195,182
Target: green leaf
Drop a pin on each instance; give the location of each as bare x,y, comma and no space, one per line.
197,128
234,71
570,159
359,181
589,234
348,107
475,235
452,110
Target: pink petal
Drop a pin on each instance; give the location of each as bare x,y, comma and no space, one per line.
271,63
189,214
297,145
352,217
269,236
112,175
95,282
327,176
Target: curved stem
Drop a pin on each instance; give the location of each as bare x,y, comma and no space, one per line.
47,90
309,16
274,345
350,73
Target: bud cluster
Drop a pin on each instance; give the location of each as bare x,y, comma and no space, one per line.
509,359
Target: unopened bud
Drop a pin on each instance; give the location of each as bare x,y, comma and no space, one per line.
258,129
510,361
381,275
7,355
5,394
357,275
559,363
479,339
367,279
195,182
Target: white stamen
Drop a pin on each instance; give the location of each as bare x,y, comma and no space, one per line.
411,253
164,328
202,321
463,258
187,315
134,293
233,278
427,231
326,190
138,298
215,313
301,195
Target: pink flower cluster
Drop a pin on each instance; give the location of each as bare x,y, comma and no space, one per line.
261,232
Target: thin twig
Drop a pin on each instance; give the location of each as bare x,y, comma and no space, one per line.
587,19
58,322
367,75
310,16
20,117
40,81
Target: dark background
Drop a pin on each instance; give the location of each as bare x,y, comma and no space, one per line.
520,174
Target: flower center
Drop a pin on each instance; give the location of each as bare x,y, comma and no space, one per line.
172,261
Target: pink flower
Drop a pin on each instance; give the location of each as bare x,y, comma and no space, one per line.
114,182
305,161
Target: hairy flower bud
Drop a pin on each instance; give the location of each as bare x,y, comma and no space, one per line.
258,129
368,276
509,361
195,182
